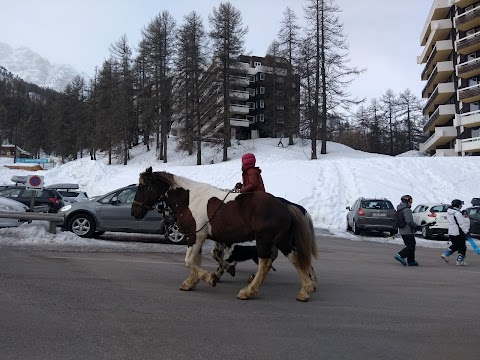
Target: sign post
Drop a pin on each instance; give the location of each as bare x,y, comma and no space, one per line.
34,182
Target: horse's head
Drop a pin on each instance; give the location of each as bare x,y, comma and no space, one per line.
151,189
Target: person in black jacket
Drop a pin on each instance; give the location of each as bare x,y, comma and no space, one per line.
407,232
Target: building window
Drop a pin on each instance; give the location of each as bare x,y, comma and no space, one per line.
251,91
280,107
262,76
279,92
294,85
257,63
262,104
262,89
261,118
251,78
256,91
476,133
280,79
251,105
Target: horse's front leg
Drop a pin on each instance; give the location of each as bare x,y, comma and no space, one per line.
193,262
248,292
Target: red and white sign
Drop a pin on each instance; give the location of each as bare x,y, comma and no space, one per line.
34,182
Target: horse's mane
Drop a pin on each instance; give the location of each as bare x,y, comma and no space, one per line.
165,177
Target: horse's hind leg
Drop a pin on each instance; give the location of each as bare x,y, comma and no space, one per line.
307,278
248,292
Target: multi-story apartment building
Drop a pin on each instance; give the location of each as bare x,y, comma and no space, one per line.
451,54
261,97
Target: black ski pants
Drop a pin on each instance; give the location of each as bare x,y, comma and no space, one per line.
409,250
458,243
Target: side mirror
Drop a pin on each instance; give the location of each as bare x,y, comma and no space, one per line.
348,208
114,201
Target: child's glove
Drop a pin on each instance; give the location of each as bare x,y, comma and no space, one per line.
238,185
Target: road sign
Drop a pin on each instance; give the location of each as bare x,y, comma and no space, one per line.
34,182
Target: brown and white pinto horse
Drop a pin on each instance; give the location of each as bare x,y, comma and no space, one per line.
204,211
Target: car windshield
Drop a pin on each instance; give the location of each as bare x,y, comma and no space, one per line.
377,204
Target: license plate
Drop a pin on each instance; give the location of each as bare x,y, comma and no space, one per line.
379,214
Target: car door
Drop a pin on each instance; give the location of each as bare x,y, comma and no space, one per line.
419,214
474,215
115,211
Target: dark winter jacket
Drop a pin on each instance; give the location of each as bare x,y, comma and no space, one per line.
252,180
411,227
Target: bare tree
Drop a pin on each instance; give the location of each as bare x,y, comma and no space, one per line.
227,35
289,40
331,72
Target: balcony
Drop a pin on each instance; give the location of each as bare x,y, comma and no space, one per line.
440,52
469,94
440,95
239,122
439,10
468,69
464,3
442,71
468,44
445,152
468,20
441,136
468,120
442,115
239,95
239,109
468,145
239,80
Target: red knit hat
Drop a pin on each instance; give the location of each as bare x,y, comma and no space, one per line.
248,160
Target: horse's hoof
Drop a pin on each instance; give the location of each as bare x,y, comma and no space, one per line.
245,294
303,296
231,270
186,286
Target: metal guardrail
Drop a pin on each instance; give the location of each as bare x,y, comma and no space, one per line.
53,219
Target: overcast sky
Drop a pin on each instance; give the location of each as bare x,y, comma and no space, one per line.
383,35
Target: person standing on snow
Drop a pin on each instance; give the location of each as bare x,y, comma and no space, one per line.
407,232
251,175
458,228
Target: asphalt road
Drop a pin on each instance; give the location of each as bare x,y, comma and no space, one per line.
67,305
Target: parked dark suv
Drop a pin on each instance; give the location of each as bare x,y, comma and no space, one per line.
371,214
45,200
473,214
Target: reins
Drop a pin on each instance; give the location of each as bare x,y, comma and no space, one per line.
215,213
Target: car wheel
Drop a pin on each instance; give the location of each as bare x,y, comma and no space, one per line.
82,225
173,234
426,232
349,228
356,230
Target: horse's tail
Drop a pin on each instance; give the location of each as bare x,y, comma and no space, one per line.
303,236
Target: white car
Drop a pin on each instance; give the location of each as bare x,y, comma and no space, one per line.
432,212
7,204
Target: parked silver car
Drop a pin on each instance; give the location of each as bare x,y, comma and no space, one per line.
10,205
112,212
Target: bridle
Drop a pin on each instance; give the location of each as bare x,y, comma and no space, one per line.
143,205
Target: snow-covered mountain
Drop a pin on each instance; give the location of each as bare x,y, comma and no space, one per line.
34,68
